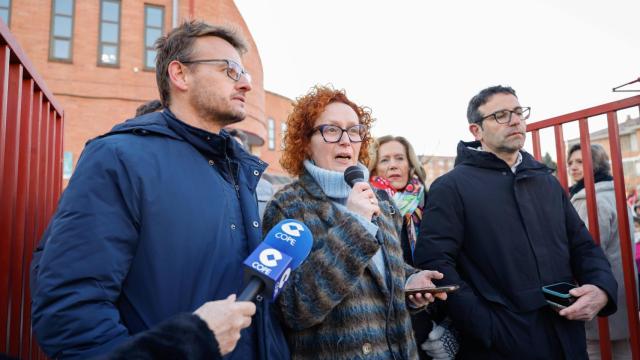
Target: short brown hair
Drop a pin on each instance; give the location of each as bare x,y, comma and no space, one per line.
414,163
300,123
178,45
599,158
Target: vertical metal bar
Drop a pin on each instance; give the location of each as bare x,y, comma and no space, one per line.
535,136
625,235
5,244
594,227
25,170
8,196
561,172
52,151
5,54
21,214
59,157
30,348
14,110
44,167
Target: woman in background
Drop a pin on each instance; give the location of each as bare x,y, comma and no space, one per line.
395,168
609,241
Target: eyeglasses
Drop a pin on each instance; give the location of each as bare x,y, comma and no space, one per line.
504,116
234,70
333,133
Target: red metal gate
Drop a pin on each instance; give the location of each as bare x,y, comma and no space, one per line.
31,128
582,118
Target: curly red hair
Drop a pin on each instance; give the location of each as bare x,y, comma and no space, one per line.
300,123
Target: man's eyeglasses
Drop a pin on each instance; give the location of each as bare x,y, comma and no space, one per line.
333,133
504,116
234,70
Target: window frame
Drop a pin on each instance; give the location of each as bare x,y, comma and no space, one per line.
100,42
271,134
144,34
283,130
8,13
52,37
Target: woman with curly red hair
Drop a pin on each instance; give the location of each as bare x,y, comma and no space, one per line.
347,299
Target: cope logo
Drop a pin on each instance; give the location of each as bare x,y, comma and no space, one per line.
292,228
270,257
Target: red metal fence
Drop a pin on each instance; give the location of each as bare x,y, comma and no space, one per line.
31,127
630,275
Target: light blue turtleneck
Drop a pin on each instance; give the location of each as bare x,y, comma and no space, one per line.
334,186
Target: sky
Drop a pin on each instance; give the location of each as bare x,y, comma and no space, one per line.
417,63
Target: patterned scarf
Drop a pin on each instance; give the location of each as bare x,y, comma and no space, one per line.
409,201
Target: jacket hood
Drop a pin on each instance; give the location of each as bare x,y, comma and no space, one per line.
468,155
599,186
156,124
149,123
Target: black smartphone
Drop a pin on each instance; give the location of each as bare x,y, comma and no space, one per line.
432,290
557,295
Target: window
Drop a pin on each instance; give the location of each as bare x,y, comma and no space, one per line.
628,167
153,25
633,142
67,165
109,41
61,30
625,143
271,129
283,130
5,11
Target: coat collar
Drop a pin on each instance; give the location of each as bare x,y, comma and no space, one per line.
165,123
467,155
599,186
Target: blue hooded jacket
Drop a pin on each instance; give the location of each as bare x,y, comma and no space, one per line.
153,223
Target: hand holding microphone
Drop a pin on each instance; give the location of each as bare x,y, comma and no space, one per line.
268,268
226,318
362,200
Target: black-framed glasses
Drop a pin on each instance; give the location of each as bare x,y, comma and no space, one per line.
504,116
234,70
333,133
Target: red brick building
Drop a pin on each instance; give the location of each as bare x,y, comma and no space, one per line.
97,58
435,166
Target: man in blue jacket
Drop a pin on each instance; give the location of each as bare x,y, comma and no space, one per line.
159,214
501,226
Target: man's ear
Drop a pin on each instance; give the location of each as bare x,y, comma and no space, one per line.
476,130
177,75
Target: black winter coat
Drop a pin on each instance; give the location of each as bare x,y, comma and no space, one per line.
184,336
502,236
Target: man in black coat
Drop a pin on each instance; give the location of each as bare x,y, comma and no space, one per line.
501,226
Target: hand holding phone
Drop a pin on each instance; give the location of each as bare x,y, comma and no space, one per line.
558,296
432,290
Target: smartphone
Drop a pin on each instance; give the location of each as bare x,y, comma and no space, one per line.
557,295
432,290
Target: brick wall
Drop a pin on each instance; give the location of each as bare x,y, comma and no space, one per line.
96,97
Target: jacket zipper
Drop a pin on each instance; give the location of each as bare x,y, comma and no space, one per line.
233,178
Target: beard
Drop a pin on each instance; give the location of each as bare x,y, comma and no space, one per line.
216,109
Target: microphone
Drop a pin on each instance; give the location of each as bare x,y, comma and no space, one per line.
353,174
269,266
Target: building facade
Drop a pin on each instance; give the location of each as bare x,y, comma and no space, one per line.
436,166
97,58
